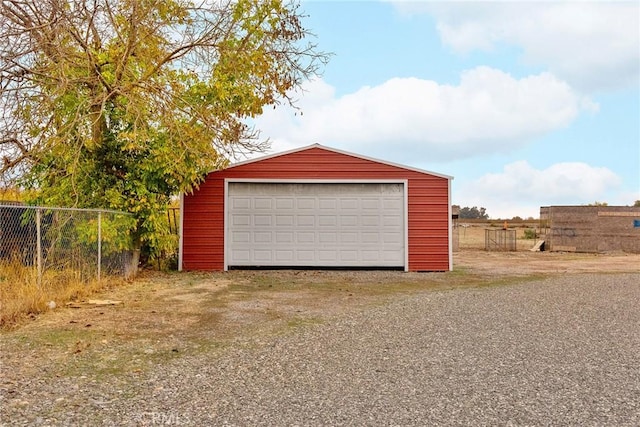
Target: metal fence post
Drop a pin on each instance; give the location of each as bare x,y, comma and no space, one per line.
52,240
39,245
99,243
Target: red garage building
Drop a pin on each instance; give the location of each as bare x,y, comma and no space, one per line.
318,207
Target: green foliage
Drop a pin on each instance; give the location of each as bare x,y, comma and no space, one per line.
530,233
473,213
114,232
127,102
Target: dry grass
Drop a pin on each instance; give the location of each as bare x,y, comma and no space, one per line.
163,316
473,236
21,297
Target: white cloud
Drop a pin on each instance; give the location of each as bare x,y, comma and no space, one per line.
521,189
488,111
592,45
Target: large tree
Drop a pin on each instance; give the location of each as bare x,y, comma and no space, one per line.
123,103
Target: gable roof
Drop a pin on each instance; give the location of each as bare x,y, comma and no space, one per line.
335,150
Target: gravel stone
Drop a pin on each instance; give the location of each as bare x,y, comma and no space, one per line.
558,351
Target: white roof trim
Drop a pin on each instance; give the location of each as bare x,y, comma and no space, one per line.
346,153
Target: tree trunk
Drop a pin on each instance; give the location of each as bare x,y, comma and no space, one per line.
131,266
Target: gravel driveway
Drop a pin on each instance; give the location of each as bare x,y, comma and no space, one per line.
561,351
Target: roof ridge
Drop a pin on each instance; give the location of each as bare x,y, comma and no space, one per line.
338,151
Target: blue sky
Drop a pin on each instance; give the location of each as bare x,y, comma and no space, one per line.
524,104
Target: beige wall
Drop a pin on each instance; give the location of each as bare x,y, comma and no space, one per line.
591,228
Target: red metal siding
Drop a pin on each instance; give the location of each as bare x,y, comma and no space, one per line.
203,227
428,204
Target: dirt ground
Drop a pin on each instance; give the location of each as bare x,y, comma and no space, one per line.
162,316
473,257
131,332
525,263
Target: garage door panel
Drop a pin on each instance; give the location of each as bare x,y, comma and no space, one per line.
370,204
391,256
394,204
349,255
261,220
348,221
370,255
241,203
241,237
327,256
370,238
262,237
304,203
262,203
370,220
284,255
350,203
240,255
241,220
327,237
284,237
321,225
284,220
285,203
305,257
306,221
348,237
262,256
327,220
392,238
327,204
392,220
305,237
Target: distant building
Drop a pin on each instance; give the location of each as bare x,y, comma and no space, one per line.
591,228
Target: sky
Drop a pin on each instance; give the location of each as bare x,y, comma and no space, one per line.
525,104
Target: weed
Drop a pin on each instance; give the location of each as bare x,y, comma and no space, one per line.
21,295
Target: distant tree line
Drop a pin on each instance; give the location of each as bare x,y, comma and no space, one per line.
473,213
636,204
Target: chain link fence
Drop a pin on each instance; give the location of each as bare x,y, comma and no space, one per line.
86,244
499,240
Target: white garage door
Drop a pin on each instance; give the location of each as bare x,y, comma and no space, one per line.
315,225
